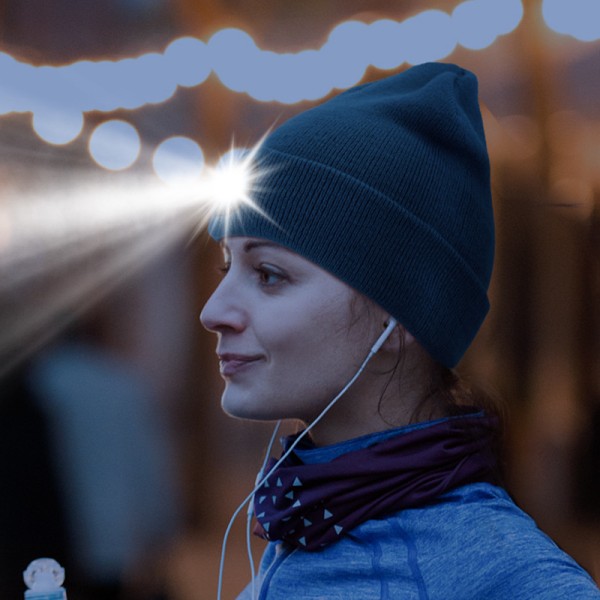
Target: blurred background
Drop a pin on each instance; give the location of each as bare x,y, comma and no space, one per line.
116,459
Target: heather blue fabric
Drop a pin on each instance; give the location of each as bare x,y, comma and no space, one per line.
473,543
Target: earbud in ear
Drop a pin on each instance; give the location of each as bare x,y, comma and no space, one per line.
391,324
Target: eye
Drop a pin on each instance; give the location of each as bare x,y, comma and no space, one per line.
269,276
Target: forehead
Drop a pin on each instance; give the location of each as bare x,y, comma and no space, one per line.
244,245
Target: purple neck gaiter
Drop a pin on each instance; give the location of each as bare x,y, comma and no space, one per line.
311,505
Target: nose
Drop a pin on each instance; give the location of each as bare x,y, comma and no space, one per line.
222,312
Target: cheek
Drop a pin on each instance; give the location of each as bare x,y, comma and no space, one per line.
317,349
312,327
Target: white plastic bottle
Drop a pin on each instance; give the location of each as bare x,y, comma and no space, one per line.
44,578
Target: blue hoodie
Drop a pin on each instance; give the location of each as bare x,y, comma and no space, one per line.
472,543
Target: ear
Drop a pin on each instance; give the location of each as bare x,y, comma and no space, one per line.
398,340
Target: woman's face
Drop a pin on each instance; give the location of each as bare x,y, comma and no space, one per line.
288,337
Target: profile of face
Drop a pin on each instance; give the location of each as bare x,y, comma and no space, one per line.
289,334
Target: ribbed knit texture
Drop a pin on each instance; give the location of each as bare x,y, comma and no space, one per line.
387,187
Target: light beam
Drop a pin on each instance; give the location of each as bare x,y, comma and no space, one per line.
63,247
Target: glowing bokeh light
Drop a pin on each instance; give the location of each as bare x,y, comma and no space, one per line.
8,102
115,145
505,14
429,36
233,55
267,76
152,89
310,69
577,18
344,55
385,44
187,58
474,30
178,161
78,80
258,82
57,126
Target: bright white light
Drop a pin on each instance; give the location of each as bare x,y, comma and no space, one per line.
229,183
429,36
115,145
187,58
233,156
578,18
474,27
56,126
178,161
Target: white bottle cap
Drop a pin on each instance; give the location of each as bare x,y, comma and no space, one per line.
44,578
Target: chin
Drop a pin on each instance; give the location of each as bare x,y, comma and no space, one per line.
245,406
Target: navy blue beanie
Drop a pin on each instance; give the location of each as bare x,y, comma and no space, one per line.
387,187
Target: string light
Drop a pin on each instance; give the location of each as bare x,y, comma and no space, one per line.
57,126
178,161
241,66
578,18
429,37
187,59
59,97
386,44
115,145
473,32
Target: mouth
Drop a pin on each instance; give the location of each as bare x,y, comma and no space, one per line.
231,364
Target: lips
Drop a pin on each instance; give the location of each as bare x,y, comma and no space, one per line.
230,364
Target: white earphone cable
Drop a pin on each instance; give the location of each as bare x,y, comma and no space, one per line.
250,510
376,346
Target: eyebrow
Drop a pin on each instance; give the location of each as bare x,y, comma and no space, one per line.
253,244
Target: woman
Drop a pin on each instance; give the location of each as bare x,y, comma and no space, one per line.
374,215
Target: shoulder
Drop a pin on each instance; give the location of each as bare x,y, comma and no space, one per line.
474,543
477,539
